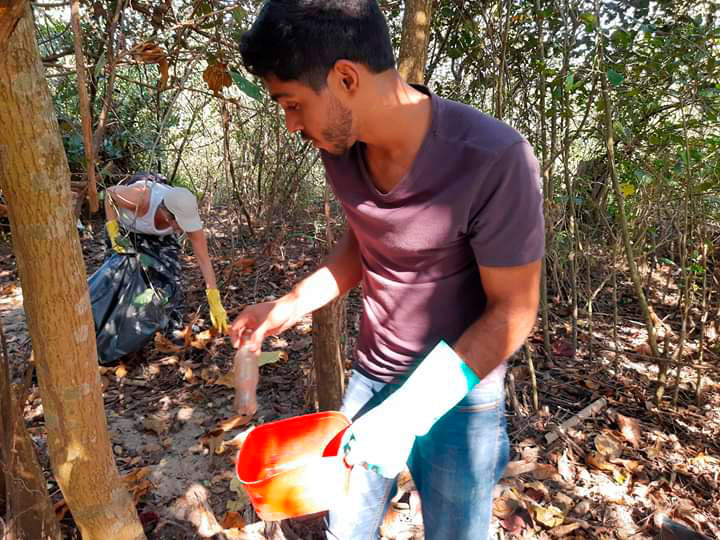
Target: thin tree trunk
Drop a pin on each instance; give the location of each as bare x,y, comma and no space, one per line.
229,166
34,177
30,512
500,80
703,318
629,251
570,186
533,379
544,306
616,344
111,64
687,295
327,340
414,40
84,107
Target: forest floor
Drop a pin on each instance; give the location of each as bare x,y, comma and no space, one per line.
616,474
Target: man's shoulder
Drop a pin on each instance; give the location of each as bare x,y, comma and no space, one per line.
464,125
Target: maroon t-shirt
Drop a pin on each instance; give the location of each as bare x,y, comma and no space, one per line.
471,198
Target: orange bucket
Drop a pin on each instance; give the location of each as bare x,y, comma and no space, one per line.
291,467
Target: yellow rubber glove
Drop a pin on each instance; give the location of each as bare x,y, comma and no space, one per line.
113,230
217,312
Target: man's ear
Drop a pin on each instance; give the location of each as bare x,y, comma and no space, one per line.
345,76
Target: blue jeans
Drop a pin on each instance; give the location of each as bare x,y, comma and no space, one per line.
455,468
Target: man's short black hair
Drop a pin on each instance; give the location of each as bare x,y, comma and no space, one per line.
300,40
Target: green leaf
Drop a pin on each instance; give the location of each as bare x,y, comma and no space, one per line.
569,82
589,19
124,241
642,175
246,86
144,298
620,37
270,357
709,92
615,78
627,189
145,260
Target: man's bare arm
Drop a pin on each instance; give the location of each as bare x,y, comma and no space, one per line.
341,272
509,316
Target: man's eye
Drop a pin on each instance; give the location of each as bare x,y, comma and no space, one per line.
292,107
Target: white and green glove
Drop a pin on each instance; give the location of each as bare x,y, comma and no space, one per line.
382,438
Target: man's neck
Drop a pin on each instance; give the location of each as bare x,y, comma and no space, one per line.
397,119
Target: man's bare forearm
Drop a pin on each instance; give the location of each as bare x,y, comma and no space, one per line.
110,212
494,337
200,251
341,272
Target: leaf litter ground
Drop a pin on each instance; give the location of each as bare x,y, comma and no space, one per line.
615,474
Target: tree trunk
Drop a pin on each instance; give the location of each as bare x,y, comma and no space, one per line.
547,189
624,227
30,513
84,107
414,40
327,355
35,179
327,340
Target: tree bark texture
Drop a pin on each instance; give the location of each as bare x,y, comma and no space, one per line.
328,324
35,180
29,514
327,355
414,40
84,107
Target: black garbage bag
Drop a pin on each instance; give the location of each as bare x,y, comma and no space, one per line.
135,294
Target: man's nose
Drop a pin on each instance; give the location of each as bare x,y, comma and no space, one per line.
293,123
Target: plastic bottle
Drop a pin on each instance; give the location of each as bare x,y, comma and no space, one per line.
246,376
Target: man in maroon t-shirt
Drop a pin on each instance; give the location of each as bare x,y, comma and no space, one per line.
445,233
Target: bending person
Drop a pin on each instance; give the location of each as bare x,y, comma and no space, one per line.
147,206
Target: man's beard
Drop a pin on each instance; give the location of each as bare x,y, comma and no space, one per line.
339,131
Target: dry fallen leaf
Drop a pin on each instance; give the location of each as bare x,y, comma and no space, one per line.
232,520
137,483
630,429
516,468
504,506
148,52
564,530
608,445
164,345
537,491
121,371
226,379
194,507
565,468
515,523
217,77
550,516
595,459
545,471
158,422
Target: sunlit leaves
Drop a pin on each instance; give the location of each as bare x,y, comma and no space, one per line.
246,86
615,78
